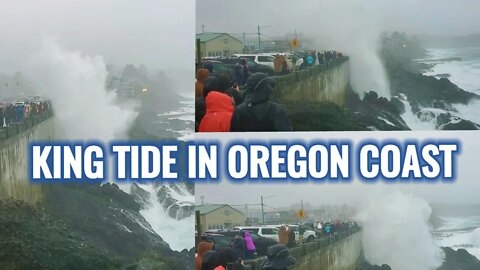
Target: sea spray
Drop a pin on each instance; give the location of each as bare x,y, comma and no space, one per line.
158,217
356,33
84,110
75,84
395,231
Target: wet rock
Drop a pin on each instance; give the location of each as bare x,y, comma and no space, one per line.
426,116
175,208
31,239
140,195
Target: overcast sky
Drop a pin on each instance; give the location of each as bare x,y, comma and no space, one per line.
157,33
413,16
464,190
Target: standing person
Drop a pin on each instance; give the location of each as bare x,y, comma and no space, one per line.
284,64
250,254
277,64
238,74
246,69
310,60
239,248
278,258
218,106
212,260
283,235
257,113
291,237
202,74
2,118
203,247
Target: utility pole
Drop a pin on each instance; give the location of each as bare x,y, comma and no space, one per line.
261,203
259,44
301,202
244,42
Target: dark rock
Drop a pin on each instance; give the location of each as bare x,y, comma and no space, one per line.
31,239
175,208
141,196
459,260
94,212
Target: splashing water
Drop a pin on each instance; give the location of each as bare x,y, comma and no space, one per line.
75,83
164,225
396,232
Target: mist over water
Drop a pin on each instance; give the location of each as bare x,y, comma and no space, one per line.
395,231
356,32
75,84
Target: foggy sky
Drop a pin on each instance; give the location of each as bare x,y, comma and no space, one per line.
157,33
413,16
464,190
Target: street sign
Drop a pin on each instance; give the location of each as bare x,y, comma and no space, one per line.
295,43
301,213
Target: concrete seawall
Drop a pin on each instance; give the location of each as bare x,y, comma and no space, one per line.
14,142
318,83
329,253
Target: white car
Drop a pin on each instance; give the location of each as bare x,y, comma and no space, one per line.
308,235
265,231
257,58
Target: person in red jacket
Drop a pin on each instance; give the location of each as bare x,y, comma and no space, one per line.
219,106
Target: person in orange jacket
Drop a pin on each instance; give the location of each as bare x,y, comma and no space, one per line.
202,248
219,106
202,74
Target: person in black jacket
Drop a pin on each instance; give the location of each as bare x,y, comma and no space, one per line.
257,113
278,258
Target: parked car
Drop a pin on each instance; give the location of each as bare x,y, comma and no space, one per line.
220,240
261,243
257,58
265,231
253,67
308,235
220,68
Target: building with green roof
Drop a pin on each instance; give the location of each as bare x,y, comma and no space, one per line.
219,45
219,217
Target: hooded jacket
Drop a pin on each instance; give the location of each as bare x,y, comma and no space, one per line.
219,110
238,248
257,113
202,248
202,74
249,241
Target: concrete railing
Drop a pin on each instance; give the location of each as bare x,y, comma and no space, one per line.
14,141
327,82
19,127
340,251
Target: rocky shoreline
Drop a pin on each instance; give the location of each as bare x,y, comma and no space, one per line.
454,260
83,227
431,99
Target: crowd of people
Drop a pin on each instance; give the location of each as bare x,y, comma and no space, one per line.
311,58
335,227
220,106
11,113
232,258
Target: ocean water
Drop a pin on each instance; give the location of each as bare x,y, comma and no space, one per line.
181,123
460,232
177,233
461,64
462,67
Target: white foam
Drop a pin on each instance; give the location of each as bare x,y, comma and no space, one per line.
164,225
464,73
411,119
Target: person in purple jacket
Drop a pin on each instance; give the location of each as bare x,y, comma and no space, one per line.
249,245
